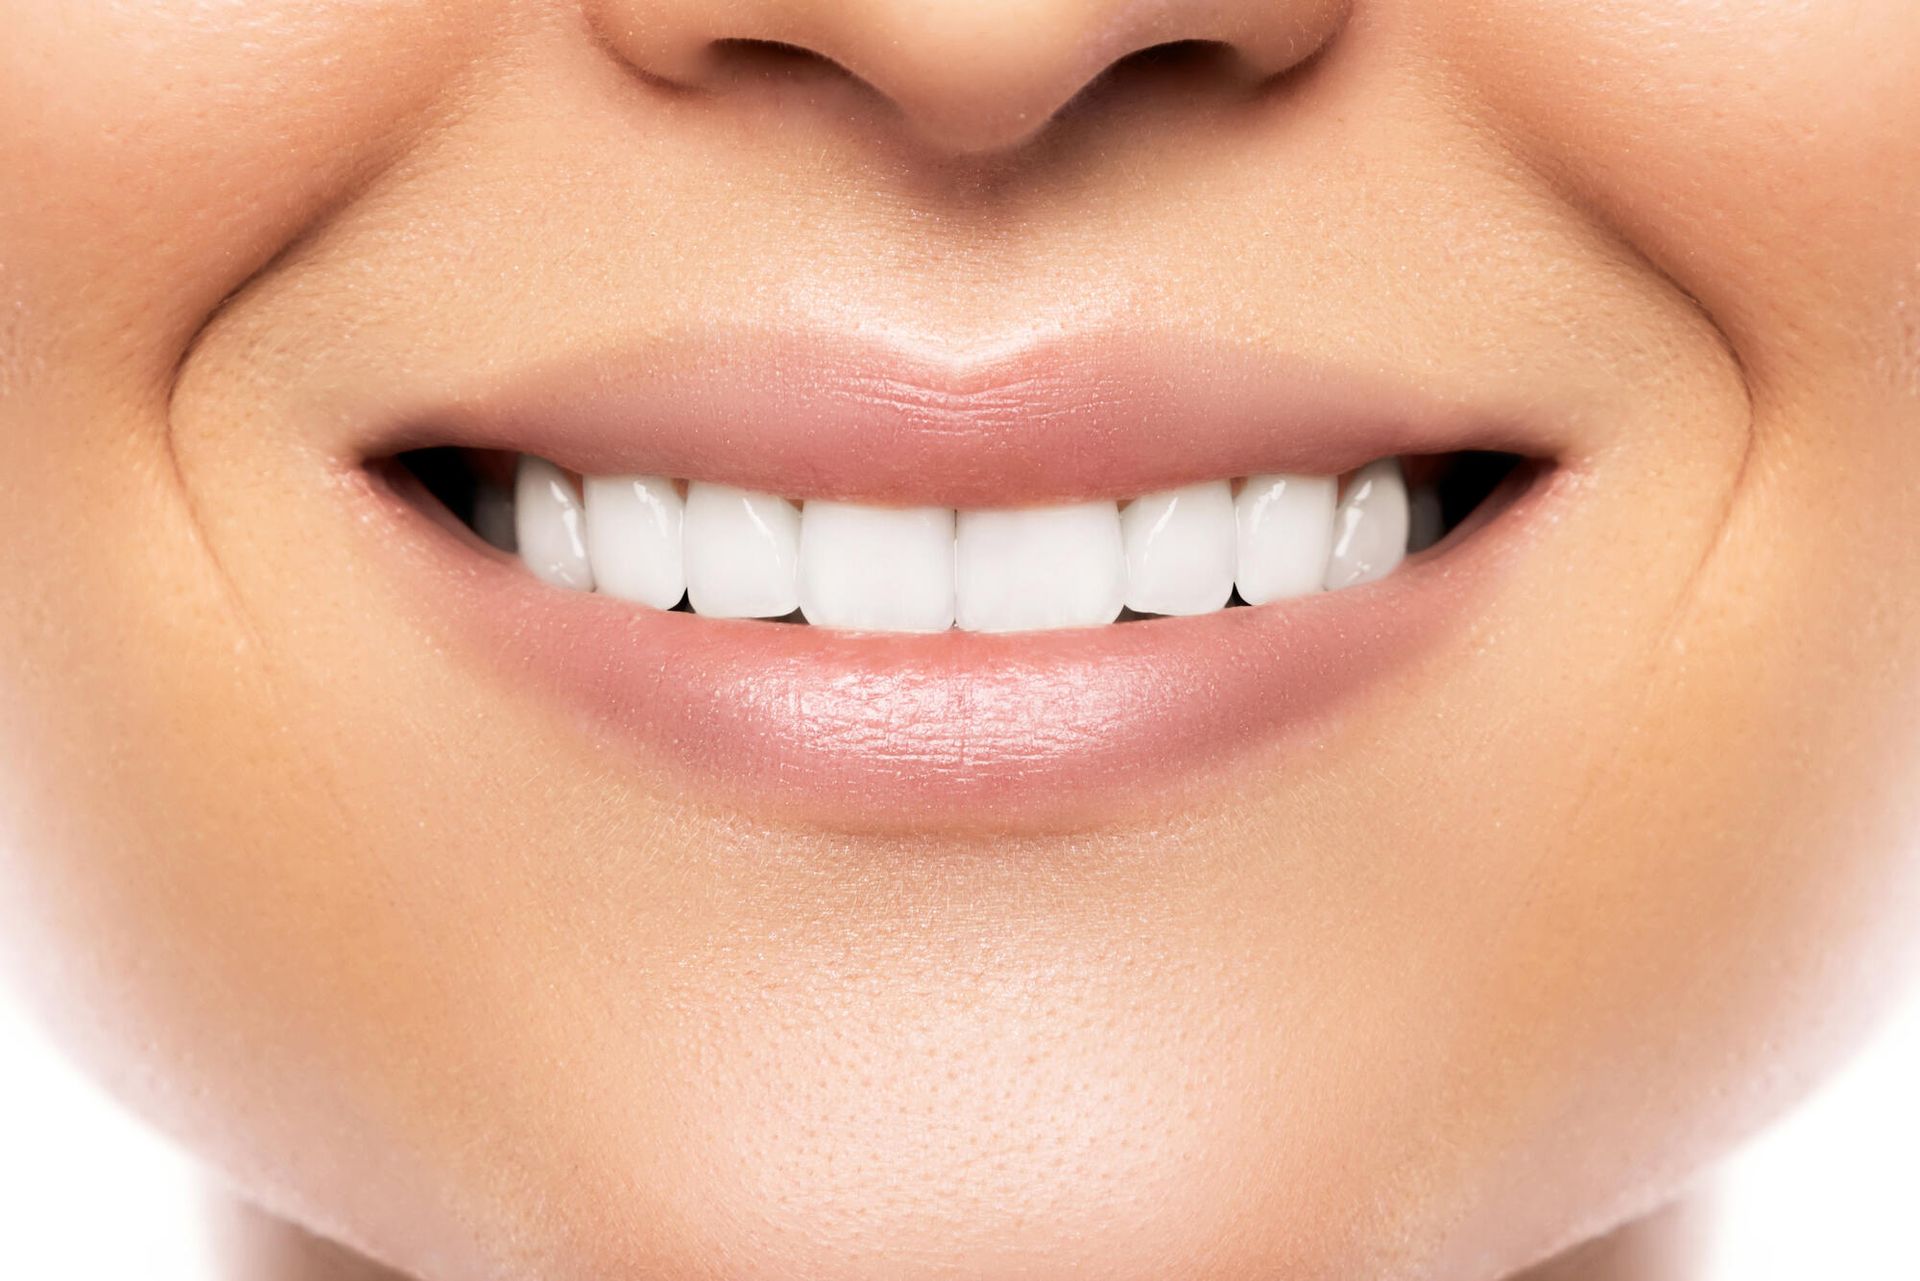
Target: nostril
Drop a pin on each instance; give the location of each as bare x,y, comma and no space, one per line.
1172,69
745,57
1178,57
1192,72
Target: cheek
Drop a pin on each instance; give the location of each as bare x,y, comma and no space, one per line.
175,148
1765,157
1754,834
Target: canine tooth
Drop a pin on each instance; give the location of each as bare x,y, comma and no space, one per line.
1039,567
741,551
1371,526
1180,549
876,568
1285,534
548,526
634,538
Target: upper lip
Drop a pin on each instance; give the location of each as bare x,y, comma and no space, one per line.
811,414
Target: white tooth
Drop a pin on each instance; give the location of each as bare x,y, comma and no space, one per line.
742,551
548,526
1038,567
633,538
1370,529
1285,535
1180,549
877,568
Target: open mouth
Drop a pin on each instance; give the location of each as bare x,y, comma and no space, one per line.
842,584
725,552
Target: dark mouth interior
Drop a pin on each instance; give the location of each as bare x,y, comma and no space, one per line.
1448,490
451,476
1462,482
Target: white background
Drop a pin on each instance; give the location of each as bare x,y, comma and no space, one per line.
87,1194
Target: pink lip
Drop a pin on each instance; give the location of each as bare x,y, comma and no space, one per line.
821,416
917,731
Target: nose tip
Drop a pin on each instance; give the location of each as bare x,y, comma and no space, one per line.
967,76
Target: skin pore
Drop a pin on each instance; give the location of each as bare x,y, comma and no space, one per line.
1494,959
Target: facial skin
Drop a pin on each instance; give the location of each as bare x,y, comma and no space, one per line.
1531,932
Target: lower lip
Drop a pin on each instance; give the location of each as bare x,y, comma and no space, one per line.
956,729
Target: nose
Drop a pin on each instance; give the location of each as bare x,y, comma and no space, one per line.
966,76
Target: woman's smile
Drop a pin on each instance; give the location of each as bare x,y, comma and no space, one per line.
963,573
1154,640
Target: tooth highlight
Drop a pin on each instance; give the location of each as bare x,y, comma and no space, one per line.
1370,527
1180,549
634,528
741,551
1285,535
877,568
548,525
1031,568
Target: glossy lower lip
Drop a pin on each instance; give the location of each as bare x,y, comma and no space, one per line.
957,730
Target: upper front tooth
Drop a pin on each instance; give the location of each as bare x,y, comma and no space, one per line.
1037,567
1370,529
878,568
736,553
634,538
548,526
742,552
1180,549
1285,535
